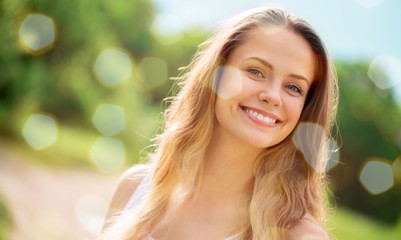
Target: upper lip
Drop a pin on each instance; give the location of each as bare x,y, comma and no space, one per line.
264,113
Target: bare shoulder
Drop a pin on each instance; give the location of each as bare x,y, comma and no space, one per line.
126,186
308,228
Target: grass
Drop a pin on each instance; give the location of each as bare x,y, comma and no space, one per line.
4,219
72,148
75,140
348,225
74,144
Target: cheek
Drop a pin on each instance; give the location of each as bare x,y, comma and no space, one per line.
294,110
230,84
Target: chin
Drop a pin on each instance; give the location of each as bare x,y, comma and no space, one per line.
263,144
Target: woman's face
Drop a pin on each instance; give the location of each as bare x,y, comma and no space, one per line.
263,87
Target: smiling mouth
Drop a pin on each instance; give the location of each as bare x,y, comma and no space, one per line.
260,116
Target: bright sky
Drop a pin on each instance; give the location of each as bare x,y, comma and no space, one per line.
351,29
366,30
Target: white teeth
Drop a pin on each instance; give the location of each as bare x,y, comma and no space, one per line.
260,116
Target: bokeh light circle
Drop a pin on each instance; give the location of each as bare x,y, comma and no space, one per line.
166,21
113,66
230,82
334,154
40,131
109,119
385,71
90,211
309,138
376,176
108,154
37,33
152,72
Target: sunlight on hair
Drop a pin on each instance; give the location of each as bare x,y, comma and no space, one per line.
232,84
369,3
376,176
40,131
152,72
109,119
108,154
37,33
397,169
113,66
90,211
307,138
385,71
334,154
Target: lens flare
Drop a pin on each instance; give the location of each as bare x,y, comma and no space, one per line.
385,71
109,119
108,154
227,82
90,211
334,154
309,139
376,176
113,66
40,131
163,29
152,72
37,33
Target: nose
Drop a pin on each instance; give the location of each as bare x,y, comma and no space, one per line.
271,96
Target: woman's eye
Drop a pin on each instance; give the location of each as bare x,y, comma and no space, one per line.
295,89
256,72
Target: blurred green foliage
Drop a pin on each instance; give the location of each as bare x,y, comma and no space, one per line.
369,124
61,82
4,219
350,225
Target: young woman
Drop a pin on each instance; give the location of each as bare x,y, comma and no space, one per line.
243,150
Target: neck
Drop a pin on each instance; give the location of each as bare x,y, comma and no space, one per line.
228,166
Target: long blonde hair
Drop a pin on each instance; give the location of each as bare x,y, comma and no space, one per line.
288,181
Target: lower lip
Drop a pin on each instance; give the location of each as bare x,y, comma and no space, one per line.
257,121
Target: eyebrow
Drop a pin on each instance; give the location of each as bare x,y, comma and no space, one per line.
262,61
300,77
269,65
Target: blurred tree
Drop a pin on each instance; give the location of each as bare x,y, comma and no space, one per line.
63,74
61,81
369,124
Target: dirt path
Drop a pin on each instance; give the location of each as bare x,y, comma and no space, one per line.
53,204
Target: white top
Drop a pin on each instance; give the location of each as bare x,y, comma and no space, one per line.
139,194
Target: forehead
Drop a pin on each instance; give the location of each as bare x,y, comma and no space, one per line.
270,37
280,46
